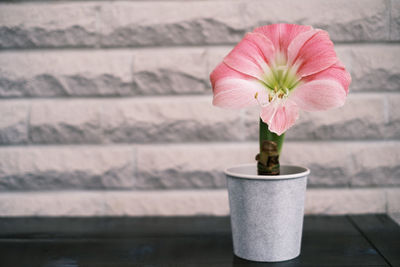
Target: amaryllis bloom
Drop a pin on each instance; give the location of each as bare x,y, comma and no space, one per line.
282,68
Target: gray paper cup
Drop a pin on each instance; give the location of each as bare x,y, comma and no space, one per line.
266,212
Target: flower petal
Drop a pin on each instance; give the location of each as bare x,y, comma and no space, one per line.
224,71
319,95
250,55
236,93
312,52
335,72
280,116
263,44
297,43
268,112
281,35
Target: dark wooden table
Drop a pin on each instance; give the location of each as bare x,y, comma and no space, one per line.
370,240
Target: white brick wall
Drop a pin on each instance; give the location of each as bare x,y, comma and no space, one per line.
105,107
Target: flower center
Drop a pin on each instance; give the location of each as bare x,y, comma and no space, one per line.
280,79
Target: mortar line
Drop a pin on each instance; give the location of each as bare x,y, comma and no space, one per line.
196,143
207,95
356,44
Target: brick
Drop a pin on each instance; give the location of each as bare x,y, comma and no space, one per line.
47,25
359,20
65,73
168,203
191,119
159,71
170,23
376,166
142,120
52,204
362,117
115,203
188,166
14,122
182,119
55,168
393,113
175,203
172,71
347,163
345,201
375,68
103,73
332,164
345,54
215,55
395,20
119,24
70,121
177,23
393,201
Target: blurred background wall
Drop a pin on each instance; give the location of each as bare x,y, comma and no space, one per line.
105,107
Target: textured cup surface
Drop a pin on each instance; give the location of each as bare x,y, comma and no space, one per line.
266,212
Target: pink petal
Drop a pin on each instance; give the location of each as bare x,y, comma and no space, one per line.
281,35
297,43
281,116
236,93
250,55
335,72
312,52
263,44
223,71
319,95
268,112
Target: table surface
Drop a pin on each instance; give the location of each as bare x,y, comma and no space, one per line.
367,240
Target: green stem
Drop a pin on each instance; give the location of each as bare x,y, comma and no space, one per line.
267,135
268,158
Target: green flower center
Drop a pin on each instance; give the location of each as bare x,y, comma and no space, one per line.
280,79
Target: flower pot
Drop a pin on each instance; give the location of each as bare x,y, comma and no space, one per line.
266,212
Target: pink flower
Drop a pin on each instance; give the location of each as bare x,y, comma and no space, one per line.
283,68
